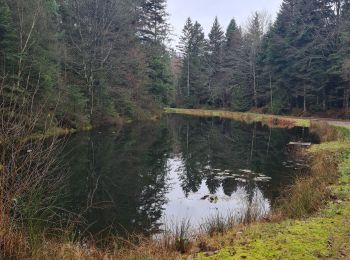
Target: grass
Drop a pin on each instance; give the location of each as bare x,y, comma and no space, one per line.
270,120
323,236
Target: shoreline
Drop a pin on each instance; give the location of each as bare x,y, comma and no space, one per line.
315,227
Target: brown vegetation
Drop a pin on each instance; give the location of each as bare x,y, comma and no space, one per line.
28,180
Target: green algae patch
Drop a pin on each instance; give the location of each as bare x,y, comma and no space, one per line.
270,120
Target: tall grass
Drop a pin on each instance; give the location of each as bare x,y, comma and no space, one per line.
324,131
308,193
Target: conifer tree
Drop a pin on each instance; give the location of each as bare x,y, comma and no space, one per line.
214,56
233,67
153,31
192,79
153,20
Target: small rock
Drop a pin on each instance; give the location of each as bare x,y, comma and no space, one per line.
339,201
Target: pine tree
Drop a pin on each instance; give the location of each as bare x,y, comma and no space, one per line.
199,76
276,57
153,31
214,56
253,42
233,67
191,84
296,53
343,55
153,21
185,46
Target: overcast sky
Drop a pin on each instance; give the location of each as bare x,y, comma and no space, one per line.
204,11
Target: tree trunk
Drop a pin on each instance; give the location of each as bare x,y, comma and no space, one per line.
346,102
254,86
188,76
305,108
271,93
324,101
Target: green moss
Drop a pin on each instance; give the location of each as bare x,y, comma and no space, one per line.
319,237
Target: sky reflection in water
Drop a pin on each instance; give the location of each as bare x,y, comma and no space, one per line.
138,177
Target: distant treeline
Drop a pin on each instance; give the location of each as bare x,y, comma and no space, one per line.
85,61
300,63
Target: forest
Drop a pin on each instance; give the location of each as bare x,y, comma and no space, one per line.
91,62
298,64
85,62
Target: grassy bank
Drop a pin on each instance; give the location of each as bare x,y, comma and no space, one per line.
270,120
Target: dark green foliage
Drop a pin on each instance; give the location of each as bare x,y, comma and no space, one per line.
214,56
153,20
300,63
193,75
160,81
7,36
153,31
85,61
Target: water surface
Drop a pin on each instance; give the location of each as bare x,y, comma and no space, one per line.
145,175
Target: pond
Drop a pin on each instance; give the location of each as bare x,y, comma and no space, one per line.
149,174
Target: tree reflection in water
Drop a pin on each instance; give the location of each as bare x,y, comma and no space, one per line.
145,174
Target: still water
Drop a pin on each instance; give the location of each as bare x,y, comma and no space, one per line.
146,175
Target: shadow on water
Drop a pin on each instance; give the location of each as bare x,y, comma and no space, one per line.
149,174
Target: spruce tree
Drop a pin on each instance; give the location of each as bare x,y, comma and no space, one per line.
214,56
193,75
185,46
233,68
153,31
296,52
153,20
